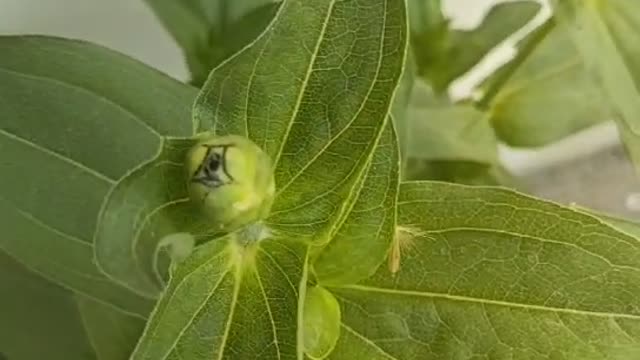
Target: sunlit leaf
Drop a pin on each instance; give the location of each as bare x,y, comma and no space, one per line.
229,301
497,274
307,110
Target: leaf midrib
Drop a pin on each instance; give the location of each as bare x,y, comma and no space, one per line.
468,299
305,82
49,152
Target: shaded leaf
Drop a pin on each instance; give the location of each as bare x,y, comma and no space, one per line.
499,275
553,77
75,117
231,301
113,334
39,319
443,54
605,35
211,31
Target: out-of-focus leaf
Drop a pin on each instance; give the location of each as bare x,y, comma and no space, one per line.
548,96
605,33
113,334
443,54
455,132
74,117
210,31
38,319
455,143
494,274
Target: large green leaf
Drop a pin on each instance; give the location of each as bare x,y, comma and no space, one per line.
605,33
322,106
491,273
74,118
39,320
241,301
112,334
444,54
279,112
231,301
210,31
551,76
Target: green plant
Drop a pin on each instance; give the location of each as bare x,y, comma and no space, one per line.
104,255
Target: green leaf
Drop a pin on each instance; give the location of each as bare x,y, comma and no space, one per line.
444,54
496,274
321,322
452,132
553,77
151,202
324,105
113,334
83,116
231,301
144,207
211,31
362,240
604,33
455,143
39,319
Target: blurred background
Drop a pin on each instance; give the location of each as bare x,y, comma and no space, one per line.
589,168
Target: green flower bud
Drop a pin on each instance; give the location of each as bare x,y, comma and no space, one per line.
231,179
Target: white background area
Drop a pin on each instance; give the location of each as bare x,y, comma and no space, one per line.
130,27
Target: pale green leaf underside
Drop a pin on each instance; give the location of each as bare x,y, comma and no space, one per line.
75,117
231,302
323,105
563,284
